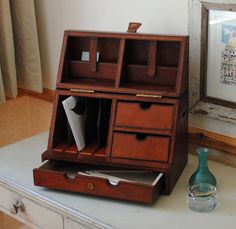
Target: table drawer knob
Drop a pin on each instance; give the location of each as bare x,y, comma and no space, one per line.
17,206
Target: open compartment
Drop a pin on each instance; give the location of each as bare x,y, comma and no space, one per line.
89,60
151,65
132,185
92,115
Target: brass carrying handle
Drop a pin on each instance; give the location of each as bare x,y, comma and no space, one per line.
133,27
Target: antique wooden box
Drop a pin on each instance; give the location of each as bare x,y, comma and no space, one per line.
134,88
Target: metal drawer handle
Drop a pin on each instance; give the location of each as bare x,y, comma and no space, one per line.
17,206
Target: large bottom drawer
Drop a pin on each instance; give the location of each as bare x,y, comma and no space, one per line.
132,185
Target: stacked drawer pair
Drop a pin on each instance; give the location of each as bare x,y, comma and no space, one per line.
142,131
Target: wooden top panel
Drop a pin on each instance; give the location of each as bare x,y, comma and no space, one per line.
126,35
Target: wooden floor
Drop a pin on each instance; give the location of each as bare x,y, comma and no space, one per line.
21,118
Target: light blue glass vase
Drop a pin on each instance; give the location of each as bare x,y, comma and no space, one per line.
202,174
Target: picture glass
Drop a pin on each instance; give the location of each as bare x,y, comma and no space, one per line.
221,59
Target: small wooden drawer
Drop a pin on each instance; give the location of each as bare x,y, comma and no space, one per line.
140,186
144,115
140,146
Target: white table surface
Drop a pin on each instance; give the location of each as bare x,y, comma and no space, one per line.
18,160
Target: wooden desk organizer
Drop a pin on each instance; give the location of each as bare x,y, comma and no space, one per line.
137,114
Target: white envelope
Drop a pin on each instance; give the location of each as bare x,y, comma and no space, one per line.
76,121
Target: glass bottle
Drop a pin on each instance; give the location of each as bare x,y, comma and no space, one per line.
202,174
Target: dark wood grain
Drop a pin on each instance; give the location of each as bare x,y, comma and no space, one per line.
138,97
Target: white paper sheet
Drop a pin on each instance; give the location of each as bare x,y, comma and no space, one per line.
76,121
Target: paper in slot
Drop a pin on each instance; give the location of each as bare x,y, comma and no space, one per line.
75,109
103,121
85,56
114,177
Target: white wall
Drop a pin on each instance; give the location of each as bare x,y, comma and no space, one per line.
55,16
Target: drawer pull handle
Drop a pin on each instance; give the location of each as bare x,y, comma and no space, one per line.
91,186
145,105
17,206
141,137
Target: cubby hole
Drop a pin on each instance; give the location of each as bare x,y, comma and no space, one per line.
78,71
96,125
163,62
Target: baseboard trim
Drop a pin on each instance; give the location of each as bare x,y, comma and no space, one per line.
47,94
212,140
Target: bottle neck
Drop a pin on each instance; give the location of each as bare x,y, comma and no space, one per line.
202,161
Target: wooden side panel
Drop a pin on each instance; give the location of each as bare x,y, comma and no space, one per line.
185,79
180,155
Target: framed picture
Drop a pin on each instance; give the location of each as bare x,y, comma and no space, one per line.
212,97
218,66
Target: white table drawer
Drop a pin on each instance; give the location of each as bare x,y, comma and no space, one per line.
33,214
71,224
74,224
